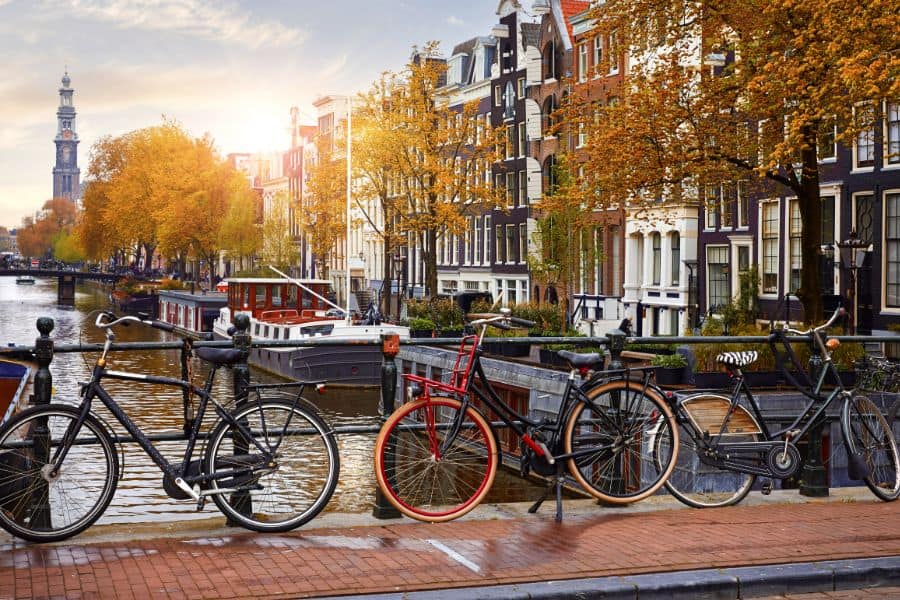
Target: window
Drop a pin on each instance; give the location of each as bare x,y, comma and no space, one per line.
582,61
827,137
770,248
487,239
743,205
498,243
511,291
478,242
712,205
614,241
676,257
523,242
509,101
892,250
522,145
892,134
613,52
467,242
864,144
656,242
509,140
598,53
795,233
827,261
523,188
728,203
510,188
582,135
510,243
521,87
717,277
498,96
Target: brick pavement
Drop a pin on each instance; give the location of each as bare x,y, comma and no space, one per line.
404,555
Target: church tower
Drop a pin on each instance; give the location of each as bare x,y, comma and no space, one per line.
66,173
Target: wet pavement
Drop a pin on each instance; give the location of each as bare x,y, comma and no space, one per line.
498,551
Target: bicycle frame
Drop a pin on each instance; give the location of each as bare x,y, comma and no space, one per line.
94,389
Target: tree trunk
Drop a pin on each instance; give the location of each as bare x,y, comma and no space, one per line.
430,259
810,292
387,279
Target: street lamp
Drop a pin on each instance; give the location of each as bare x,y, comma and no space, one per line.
692,304
853,254
399,262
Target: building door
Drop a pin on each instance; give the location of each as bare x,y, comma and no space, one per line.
865,210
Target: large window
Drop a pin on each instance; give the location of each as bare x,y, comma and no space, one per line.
522,145
510,188
478,242
656,244
729,200
770,247
711,206
892,250
498,243
582,61
892,134
796,232
523,242
598,53
675,241
510,243
864,145
487,239
826,145
523,188
717,277
743,205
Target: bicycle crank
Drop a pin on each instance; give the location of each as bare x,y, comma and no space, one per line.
783,460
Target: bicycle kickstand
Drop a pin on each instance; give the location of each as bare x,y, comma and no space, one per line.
555,484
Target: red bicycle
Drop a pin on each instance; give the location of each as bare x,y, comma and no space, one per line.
436,456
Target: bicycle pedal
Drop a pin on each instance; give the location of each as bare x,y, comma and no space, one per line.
767,488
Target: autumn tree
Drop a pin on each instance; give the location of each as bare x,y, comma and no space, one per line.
278,248
38,237
240,234
324,218
436,158
738,90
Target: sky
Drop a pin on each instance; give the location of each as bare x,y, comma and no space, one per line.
227,67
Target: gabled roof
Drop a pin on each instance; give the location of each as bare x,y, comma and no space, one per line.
563,11
531,34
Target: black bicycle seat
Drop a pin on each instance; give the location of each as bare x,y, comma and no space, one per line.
219,356
592,360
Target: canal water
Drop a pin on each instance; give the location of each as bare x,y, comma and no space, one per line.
156,409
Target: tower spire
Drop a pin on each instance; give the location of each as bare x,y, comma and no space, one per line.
66,173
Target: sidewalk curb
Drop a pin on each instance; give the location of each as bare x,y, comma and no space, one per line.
732,583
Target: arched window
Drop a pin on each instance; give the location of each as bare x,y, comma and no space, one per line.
676,258
656,244
548,60
547,115
548,172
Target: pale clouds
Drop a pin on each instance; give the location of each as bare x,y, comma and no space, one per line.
455,21
204,19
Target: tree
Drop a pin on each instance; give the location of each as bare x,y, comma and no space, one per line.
38,237
239,235
324,218
739,90
436,157
278,247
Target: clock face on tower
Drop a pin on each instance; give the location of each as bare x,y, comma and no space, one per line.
67,134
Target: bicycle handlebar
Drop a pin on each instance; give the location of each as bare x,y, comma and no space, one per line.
837,313
502,321
104,322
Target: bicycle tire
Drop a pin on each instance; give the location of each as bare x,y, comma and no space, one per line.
867,434
423,483
279,497
615,460
701,485
75,497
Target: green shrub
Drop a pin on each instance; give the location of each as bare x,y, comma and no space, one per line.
170,284
421,324
670,361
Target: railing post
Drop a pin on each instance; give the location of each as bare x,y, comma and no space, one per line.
241,378
39,507
814,480
186,346
390,346
616,343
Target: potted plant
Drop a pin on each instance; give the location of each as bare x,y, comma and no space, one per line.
669,368
420,327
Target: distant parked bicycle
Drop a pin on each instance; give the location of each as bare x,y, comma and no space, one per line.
270,463
436,456
877,374
724,446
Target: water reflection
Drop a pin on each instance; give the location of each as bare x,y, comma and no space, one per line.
157,409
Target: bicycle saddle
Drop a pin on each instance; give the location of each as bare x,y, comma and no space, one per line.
737,359
219,356
590,361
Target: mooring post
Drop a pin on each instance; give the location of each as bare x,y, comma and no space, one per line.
615,344
390,346
241,340
39,506
814,479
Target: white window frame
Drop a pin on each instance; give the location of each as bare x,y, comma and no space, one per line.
598,54
716,247
869,135
885,308
582,62
762,245
891,109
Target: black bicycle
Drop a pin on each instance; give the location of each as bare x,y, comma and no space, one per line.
270,461
436,456
724,447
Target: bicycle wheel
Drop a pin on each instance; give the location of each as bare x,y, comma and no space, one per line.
427,477
613,437
287,485
38,505
695,482
868,437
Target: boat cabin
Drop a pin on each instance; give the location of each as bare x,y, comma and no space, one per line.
278,300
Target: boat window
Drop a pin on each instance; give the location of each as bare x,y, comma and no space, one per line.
266,331
246,290
291,296
318,329
257,329
307,299
276,295
260,295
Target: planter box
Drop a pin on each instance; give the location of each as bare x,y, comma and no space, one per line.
516,350
762,379
669,375
421,333
451,333
551,359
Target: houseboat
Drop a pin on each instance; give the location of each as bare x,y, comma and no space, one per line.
292,309
15,386
193,313
25,280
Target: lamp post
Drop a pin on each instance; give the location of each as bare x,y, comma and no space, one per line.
399,262
692,294
853,254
